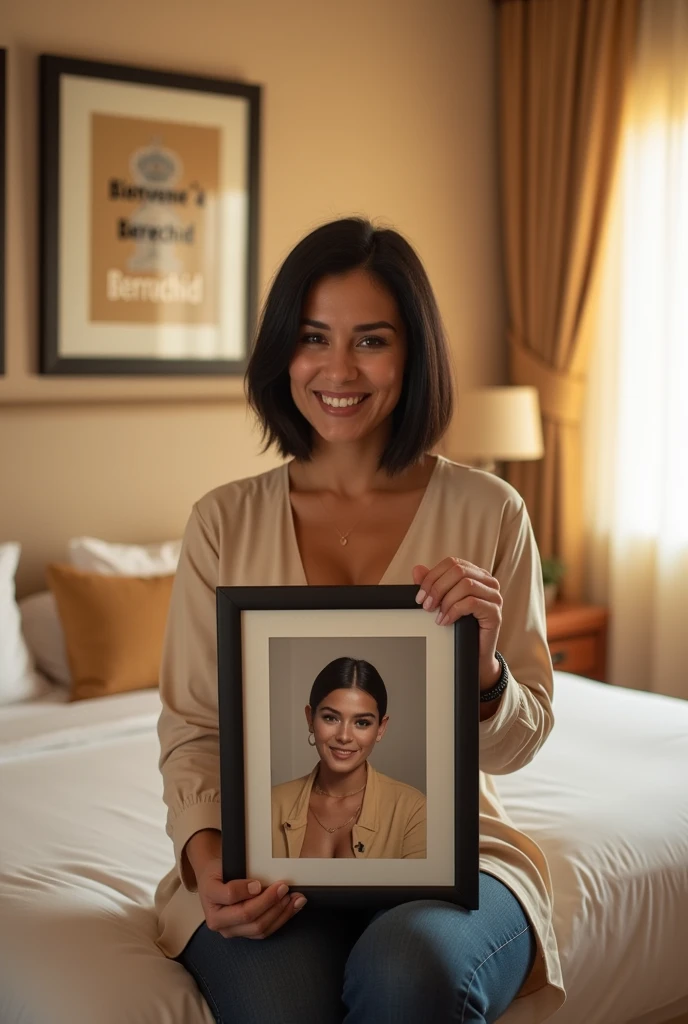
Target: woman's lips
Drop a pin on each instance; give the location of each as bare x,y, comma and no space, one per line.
342,410
342,755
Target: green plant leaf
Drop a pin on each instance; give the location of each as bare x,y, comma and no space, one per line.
552,570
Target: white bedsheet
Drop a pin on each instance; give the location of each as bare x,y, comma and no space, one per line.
52,721
607,800
83,846
82,849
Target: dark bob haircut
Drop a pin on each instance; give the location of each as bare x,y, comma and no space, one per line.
424,409
345,674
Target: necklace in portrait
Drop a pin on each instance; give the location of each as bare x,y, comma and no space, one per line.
337,827
335,796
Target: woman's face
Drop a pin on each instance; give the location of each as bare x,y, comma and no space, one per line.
346,726
348,366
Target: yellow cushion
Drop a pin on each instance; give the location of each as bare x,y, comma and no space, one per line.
113,627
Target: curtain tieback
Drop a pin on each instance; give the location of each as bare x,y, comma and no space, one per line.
561,393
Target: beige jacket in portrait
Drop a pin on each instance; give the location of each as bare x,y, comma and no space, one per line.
242,534
392,822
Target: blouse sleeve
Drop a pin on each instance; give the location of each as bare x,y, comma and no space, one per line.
188,724
524,718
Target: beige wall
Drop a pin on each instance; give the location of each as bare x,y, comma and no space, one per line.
385,108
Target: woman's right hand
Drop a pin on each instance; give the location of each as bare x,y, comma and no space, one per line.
242,907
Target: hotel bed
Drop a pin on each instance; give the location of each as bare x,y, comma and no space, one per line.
83,846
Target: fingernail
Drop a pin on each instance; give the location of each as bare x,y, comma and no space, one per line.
439,616
420,596
254,888
282,891
285,901
444,620
427,603
300,903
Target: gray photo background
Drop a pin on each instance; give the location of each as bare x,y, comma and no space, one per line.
401,661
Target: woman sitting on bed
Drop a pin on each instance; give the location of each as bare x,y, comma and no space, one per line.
350,377
344,808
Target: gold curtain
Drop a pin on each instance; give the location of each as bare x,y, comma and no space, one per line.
563,68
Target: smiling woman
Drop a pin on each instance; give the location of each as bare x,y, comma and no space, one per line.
342,321
351,381
344,808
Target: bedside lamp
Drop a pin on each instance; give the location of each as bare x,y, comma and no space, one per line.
497,424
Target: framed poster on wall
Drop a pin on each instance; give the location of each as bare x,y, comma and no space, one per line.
149,186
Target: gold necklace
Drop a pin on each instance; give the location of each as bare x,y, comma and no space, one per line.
337,827
335,796
344,537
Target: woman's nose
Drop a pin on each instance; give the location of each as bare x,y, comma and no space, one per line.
341,365
344,733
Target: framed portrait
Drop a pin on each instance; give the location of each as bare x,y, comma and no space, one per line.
348,744
3,126
149,191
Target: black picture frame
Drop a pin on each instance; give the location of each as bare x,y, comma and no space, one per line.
231,603
53,70
3,200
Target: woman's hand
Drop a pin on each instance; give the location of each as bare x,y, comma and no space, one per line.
454,588
239,908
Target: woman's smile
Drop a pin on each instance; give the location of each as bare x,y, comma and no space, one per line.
341,403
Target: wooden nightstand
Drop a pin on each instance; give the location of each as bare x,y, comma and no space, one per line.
577,638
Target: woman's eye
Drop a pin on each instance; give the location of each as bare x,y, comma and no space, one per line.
328,718
319,339
363,723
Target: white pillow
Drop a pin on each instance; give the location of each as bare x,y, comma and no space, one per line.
44,635
92,555
18,678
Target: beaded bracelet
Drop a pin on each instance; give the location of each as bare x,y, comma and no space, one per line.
500,686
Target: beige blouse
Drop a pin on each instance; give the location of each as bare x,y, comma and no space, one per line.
392,822
242,534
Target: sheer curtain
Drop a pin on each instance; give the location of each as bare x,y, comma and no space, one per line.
635,426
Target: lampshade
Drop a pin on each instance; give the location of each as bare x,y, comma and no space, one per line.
498,424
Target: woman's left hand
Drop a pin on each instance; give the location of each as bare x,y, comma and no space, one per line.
454,588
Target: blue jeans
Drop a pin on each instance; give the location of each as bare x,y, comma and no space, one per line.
420,962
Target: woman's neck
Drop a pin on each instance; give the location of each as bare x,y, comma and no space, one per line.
336,784
347,470
351,471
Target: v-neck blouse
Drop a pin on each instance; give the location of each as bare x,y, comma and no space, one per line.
242,534
407,540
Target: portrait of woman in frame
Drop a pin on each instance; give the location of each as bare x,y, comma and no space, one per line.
344,807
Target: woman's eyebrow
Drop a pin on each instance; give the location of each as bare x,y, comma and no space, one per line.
359,327
364,714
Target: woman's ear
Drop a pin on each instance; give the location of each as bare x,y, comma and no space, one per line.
309,717
381,728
